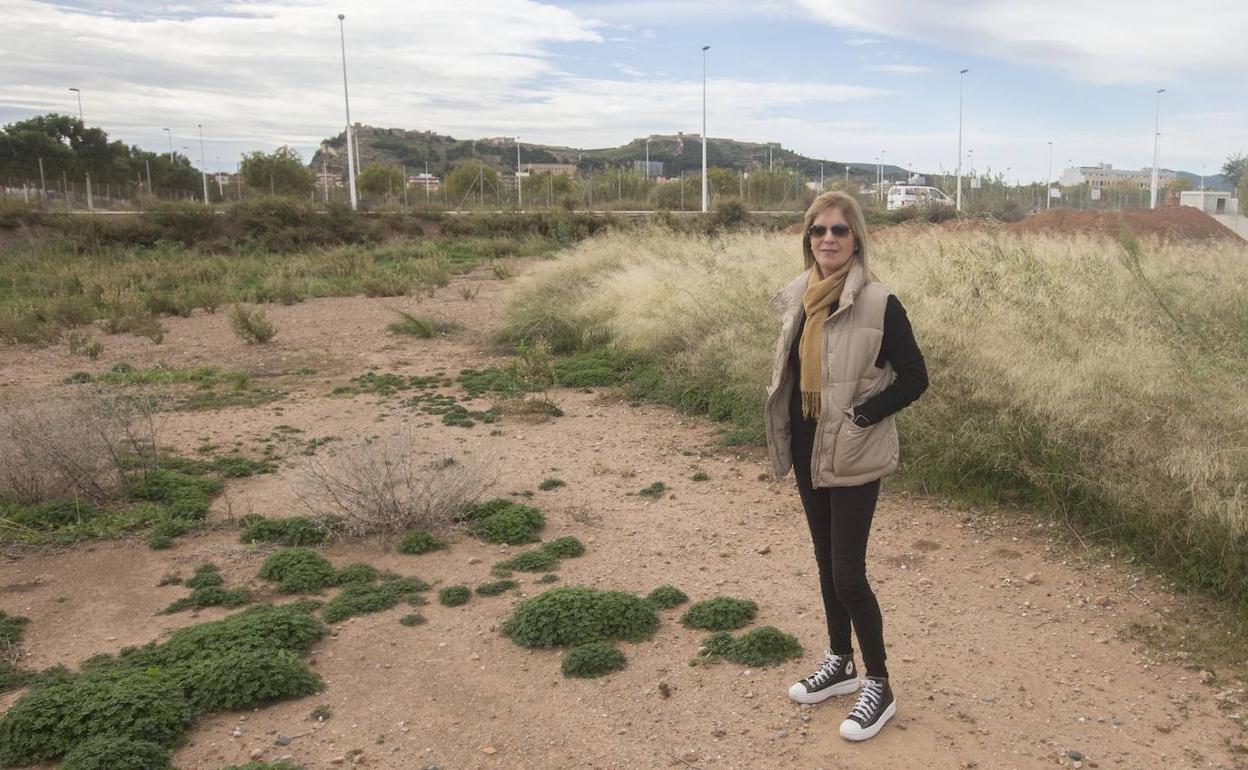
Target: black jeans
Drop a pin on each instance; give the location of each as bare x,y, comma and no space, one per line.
840,522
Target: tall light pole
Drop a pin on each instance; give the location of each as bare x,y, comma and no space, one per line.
519,186
342,37
879,177
1156,149
647,159
203,165
961,74
705,48
170,135
83,121
1048,181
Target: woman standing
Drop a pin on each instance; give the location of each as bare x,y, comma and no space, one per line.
845,363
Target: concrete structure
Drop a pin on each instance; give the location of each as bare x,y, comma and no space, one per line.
1210,201
567,169
1238,223
1104,175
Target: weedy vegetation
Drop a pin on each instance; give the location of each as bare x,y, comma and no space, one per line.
722,613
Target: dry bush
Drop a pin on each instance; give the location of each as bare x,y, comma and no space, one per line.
76,447
386,486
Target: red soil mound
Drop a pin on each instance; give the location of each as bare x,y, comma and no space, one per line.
1183,223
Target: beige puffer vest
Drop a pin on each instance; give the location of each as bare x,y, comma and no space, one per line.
844,455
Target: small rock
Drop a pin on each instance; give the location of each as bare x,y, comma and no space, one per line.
766,549
1075,755
782,734
489,750
1032,577
338,760
664,690
257,753
1207,677
282,740
474,560
237,733
1163,728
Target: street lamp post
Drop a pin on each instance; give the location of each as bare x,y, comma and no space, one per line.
342,37
1048,181
1156,149
83,121
170,135
519,186
961,73
203,165
705,48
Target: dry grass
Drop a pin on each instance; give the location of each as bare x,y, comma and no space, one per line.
384,486
1092,377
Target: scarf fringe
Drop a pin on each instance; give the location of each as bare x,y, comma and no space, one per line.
810,405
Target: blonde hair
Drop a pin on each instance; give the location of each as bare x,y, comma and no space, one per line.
849,208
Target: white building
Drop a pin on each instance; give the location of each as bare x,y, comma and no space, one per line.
1104,175
1210,201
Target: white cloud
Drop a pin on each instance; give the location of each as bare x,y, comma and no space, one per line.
1101,42
898,69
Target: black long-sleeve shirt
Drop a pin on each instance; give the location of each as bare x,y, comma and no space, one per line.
898,348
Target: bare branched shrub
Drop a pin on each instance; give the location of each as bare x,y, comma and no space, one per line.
74,447
386,486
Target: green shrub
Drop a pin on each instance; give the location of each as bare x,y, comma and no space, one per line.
536,560
158,542
113,753
419,541
356,573
247,679
298,571
51,514
412,619
237,466
592,659
182,495
292,530
288,627
210,596
654,491
49,721
549,577
496,587
511,523
170,528
564,547
666,597
548,484
576,615
454,596
251,326
699,476
206,576
363,598
321,713
721,613
765,646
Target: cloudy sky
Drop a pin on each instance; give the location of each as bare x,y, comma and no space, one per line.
835,79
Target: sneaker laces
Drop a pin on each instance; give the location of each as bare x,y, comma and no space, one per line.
830,665
868,701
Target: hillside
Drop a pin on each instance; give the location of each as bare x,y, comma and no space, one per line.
677,152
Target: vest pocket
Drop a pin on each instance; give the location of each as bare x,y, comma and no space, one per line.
863,450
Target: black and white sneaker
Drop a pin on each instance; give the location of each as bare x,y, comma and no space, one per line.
836,676
875,707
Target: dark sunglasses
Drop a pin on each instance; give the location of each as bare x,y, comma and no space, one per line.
818,231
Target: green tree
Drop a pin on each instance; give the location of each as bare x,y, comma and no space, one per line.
281,172
470,177
723,181
1234,169
379,179
1243,194
549,187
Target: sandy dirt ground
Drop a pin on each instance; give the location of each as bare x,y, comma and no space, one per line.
1007,648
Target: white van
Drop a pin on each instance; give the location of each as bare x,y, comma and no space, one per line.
902,195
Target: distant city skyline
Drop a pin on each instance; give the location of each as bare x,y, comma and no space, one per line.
838,79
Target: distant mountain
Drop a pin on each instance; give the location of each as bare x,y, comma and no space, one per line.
677,153
1212,182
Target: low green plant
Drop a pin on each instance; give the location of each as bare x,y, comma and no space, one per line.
592,659
292,530
593,368
536,560
666,597
764,646
721,613
699,476
298,571
419,541
412,619
496,587
364,598
566,547
548,484
251,326
549,577
502,521
454,596
236,466
356,573
575,615
654,491
321,713
159,542
184,496
170,528
117,753
206,576
416,326
212,596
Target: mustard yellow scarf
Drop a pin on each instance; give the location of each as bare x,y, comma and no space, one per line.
820,293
